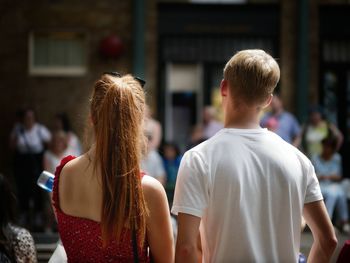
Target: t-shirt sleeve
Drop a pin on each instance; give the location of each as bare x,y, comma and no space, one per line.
313,190
192,190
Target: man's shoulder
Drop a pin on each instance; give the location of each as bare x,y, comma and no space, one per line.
213,147
199,155
291,149
197,150
303,159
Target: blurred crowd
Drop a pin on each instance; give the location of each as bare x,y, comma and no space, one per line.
36,148
320,140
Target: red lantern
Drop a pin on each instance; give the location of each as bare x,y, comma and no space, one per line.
111,46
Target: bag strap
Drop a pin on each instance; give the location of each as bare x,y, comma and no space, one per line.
134,247
36,168
22,133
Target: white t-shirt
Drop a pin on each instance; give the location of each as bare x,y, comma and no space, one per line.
249,187
31,141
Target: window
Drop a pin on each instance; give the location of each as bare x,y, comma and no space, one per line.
57,53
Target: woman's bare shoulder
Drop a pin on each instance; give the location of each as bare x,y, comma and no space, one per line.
73,166
150,184
72,172
79,194
153,190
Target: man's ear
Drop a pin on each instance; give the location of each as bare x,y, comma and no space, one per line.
268,101
224,88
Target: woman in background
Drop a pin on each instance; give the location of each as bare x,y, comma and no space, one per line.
171,161
52,158
16,243
29,140
62,123
315,130
56,151
328,168
107,211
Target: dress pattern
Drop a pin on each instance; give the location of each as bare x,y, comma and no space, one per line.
82,240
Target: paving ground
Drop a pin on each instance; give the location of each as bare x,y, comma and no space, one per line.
46,243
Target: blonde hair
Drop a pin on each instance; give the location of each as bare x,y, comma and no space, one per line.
252,76
117,112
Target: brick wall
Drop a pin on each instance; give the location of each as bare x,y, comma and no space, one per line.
48,95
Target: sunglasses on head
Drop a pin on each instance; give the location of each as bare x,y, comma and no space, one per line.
117,74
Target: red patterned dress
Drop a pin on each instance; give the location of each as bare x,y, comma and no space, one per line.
81,237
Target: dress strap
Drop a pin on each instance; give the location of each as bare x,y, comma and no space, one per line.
142,174
55,200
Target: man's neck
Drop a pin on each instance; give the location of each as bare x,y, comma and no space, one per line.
243,119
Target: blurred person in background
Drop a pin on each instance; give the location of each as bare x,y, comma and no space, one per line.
107,210
61,122
153,129
328,168
171,161
210,124
29,139
315,130
288,127
52,157
272,124
152,163
16,243
58,148
196,136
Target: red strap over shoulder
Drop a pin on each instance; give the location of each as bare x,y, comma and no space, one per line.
59,168
63,163
142,174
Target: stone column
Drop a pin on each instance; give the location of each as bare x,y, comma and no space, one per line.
303,63
139,37
288,53
314,56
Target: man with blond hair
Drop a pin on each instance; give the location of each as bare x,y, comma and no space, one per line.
245,189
